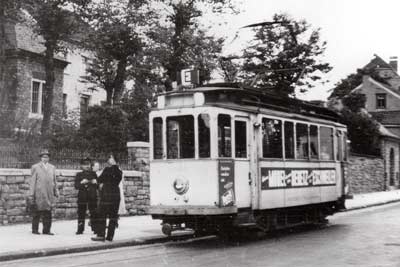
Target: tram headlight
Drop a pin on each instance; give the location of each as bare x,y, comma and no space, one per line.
180,185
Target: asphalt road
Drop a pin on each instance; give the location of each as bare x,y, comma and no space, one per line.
368,237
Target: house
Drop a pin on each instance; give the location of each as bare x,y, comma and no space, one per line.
381,87
21,97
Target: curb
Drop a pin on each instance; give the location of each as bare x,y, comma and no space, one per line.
92,247
371,205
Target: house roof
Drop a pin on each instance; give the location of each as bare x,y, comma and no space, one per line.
388,89
387,117
386,133
377,62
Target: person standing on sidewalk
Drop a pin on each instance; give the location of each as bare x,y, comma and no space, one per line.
86,184
43,193
109,200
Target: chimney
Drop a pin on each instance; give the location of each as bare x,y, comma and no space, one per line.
393,63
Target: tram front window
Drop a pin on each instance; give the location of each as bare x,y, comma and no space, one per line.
204,135
180,137
157,138
224,136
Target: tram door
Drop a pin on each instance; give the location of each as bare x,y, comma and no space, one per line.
242,161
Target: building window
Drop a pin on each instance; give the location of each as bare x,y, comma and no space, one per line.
37,97
380,101
84,104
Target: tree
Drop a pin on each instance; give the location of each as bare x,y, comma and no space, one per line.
116,41
183,43
285,54
56,23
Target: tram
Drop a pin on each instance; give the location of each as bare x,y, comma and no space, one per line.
225,156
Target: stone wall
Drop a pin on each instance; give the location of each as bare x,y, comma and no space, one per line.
14,187
365,174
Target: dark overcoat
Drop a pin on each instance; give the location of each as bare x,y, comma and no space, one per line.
86,192
110,178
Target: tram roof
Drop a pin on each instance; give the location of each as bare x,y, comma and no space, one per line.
260,98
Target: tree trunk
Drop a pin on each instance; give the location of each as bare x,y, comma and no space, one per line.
109,93
119,80
48,89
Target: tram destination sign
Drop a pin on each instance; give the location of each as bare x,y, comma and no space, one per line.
275,178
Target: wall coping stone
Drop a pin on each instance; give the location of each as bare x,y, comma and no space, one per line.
14,172
137,144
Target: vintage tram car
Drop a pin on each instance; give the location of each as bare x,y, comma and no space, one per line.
225,156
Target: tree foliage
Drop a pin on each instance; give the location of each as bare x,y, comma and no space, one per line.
184,43
103,129
363,132
284,55
116,40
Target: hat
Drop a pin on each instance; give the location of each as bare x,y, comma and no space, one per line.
85,161
44,152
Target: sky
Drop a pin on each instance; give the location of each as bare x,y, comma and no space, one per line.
355,30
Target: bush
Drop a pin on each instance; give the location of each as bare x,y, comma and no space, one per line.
103,129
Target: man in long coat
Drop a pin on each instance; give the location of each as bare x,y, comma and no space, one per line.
43,192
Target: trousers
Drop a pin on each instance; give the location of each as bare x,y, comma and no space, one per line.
108,210
45,215
82,208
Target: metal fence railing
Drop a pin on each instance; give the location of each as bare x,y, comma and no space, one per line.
23,157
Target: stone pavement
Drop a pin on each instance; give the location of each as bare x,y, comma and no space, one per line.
17,241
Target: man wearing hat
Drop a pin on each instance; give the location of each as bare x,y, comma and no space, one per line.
43,192
86,184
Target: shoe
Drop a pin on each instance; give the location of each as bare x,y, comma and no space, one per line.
79,232
35,233
98,238
109,239
48,233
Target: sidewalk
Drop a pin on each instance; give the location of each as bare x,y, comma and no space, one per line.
17,242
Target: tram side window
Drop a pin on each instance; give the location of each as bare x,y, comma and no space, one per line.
204,135
289,140
301,141
339,147
180,137
224,136
314,142
272,138
344,146
326,137
240,139
157,138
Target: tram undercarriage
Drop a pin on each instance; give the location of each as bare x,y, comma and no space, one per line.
263,220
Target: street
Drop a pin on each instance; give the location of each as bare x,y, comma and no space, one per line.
367,237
